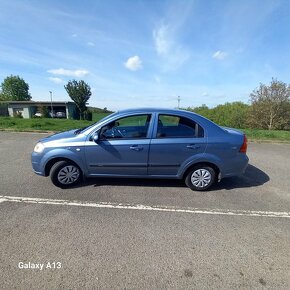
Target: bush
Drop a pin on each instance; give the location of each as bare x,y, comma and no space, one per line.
230,114
99,110
44,112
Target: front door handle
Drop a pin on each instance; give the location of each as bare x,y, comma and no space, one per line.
136,148
193,146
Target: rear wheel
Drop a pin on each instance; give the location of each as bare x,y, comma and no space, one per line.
65,174
200,177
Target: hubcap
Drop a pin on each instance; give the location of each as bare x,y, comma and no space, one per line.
201,178
68,174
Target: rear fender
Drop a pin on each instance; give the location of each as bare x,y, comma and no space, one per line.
200,158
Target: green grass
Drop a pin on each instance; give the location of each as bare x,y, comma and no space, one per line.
43,124
57,125
256,134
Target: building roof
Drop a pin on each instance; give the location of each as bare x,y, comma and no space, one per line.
37,103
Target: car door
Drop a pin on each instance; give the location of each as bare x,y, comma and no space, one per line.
177,139
122,147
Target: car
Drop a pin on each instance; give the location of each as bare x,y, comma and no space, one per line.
144,143
60,114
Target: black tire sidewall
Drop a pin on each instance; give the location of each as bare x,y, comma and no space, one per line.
55,170
192,186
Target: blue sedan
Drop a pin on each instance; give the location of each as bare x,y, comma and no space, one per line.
144,143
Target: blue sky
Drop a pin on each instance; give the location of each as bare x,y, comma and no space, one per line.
145,53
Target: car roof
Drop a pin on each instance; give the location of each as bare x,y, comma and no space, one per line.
153,110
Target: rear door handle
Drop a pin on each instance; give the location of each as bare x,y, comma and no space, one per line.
136,148
192,146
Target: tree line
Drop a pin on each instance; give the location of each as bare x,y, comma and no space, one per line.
269,109
269,106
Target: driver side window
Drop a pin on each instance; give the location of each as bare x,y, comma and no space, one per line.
131,127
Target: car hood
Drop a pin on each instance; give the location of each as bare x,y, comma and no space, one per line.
59,136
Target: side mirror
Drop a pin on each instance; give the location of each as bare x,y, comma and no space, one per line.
96,137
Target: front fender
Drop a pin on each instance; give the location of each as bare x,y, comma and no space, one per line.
67,153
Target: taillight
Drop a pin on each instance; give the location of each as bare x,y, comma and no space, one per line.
243,148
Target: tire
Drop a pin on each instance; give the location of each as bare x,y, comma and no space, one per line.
65,174
200,178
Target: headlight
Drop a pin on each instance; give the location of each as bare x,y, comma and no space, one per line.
39,147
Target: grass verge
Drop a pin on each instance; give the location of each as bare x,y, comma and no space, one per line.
42,124
267,135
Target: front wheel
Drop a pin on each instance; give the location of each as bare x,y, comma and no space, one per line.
200,178
65,174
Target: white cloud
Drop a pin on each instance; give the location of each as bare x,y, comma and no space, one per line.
220,55
168,48
205,94
133,63
69,73
56,80
90,43
161,39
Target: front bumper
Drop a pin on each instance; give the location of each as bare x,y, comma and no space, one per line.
36,163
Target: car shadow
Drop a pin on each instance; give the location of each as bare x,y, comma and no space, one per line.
253,177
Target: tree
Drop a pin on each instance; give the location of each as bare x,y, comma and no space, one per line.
43,110
2,97
229,114
270,106
79,92
15,88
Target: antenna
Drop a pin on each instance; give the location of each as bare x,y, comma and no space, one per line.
178,100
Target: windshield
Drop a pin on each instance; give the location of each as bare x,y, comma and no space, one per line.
81,130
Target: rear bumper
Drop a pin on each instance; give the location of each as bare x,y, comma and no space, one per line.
236,166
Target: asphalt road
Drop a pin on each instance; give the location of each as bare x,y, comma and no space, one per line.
166,237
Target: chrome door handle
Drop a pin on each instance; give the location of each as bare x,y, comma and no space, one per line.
192,146
136,148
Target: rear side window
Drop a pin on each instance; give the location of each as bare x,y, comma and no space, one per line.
170,126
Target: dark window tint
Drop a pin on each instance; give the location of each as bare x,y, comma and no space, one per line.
128,127
174,126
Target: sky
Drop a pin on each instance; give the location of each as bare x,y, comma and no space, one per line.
145,53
